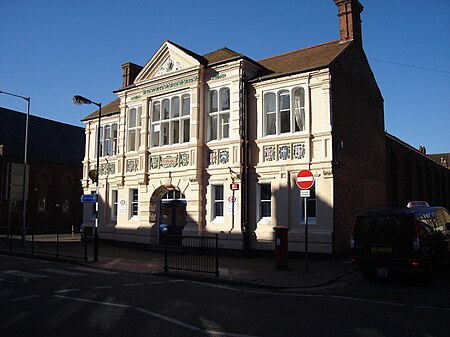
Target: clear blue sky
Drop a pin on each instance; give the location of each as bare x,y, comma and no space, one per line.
54,49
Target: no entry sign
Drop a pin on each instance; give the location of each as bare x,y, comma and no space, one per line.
305,179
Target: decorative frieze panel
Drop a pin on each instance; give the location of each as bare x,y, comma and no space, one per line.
212,157
184,159
224,156
219,157
270,153
132,165
106,169
169,160
284,152
298,151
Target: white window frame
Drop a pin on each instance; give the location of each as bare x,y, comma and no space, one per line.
134,203
114,204
218,114
259,203
108,141
135,111
214,202
296,110
172,127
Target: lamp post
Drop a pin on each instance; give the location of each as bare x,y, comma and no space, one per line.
25,152
83,100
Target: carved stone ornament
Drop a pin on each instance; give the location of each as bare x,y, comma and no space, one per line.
224,156
270,153
168,66
284,152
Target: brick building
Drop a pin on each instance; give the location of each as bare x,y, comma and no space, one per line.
206,144
55,154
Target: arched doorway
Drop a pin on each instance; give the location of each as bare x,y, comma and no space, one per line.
172,217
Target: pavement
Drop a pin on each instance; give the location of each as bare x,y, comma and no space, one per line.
258,269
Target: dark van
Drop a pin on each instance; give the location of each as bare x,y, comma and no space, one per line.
412,240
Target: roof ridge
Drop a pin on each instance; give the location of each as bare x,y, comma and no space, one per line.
301,49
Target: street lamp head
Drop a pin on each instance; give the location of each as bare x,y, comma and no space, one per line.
81,100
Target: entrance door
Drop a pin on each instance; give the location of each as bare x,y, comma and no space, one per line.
172,220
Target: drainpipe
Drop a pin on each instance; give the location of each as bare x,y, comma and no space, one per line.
244,168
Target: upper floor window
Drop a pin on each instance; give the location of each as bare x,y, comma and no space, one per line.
219,114
134,128
170,121
284,111
108,140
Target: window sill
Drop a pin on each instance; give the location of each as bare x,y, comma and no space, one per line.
218,220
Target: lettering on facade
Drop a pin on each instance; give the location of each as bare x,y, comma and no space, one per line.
170,85
218,77
135,97
169,161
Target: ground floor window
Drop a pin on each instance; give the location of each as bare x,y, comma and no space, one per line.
134,196
264,197
217,194
114,204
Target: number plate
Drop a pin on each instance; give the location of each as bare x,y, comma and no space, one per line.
381,249
382,272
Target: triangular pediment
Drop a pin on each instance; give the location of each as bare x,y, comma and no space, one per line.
168,59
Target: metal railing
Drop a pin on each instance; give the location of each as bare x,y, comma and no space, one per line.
55,242
192,253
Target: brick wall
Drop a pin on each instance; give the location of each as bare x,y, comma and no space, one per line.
358,142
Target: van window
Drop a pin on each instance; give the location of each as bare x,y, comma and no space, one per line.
443,218
383,230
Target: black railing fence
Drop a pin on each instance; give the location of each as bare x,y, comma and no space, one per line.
48,241
192,253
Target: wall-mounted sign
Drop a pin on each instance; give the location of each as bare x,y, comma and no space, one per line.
232,205
123,206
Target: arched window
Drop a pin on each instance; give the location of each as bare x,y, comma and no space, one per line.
66,195
43,184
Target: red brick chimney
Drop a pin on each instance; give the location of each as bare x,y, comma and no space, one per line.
130,72
349,13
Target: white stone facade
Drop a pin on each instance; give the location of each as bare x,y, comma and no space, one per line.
199,148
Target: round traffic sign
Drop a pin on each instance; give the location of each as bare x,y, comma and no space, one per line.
305,179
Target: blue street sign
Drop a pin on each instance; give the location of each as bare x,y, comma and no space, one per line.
88,198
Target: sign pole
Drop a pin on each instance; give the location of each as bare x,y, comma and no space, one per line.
305,180
305,200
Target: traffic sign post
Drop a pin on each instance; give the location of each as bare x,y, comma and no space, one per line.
304,181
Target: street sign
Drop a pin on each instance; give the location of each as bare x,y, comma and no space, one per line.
305,179
86,198
305,193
